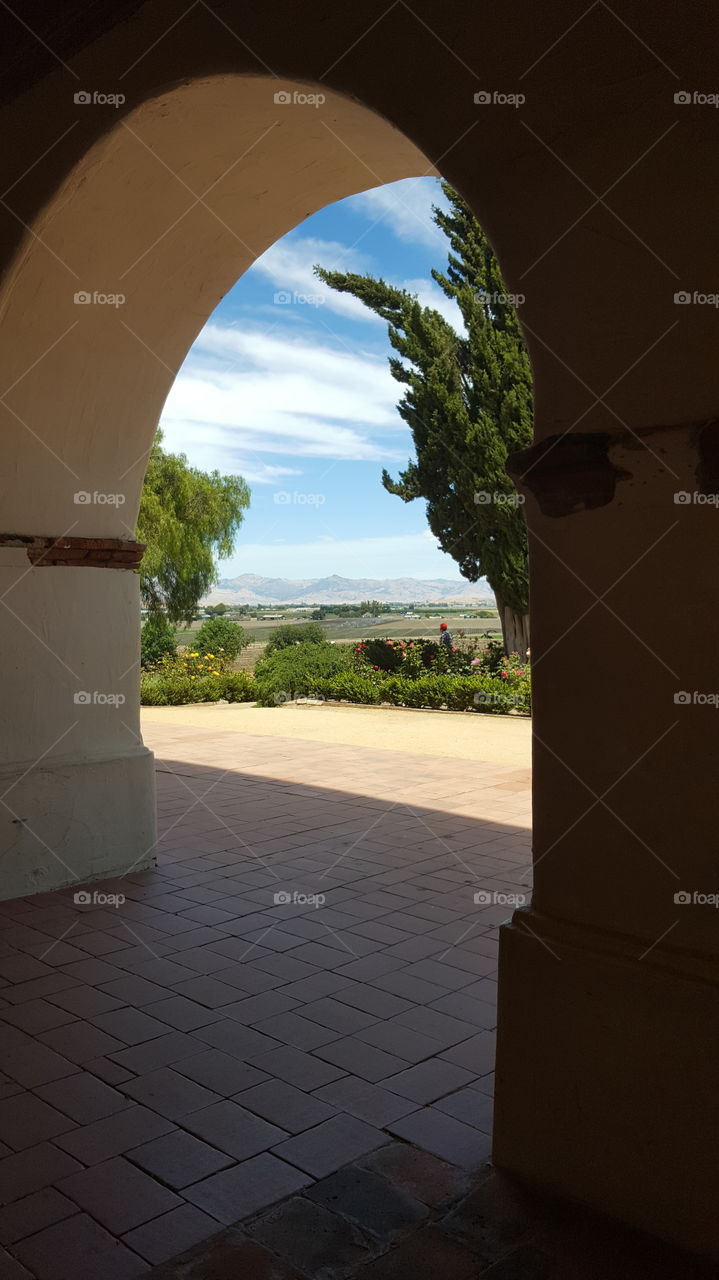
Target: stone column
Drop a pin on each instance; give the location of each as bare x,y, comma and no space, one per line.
609,993
76,783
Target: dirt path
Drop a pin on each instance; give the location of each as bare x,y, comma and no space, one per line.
464,736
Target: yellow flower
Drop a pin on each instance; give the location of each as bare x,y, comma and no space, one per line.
195,654
215,673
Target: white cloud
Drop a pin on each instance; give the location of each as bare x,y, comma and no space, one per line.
289,266
243,394
411,555
406,207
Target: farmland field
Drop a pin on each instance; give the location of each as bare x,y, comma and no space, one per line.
353,629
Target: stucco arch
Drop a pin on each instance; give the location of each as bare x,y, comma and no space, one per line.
166,210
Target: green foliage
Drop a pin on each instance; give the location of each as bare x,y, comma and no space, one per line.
157,640
413,658
493,657
174,685
436,692
294,671
221,637
188,519
295,633
216,610
467,402
381,653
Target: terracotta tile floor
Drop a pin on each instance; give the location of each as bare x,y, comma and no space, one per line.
225,1038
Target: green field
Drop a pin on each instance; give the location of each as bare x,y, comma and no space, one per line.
353,629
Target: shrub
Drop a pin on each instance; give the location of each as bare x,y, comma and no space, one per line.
415,658
221,639
295,633
491,660
349,686
179,681
456,693
295,671
157,640
238,686
380,653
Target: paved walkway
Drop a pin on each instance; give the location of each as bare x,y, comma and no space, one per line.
304,980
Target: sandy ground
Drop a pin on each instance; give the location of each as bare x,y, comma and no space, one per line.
463,736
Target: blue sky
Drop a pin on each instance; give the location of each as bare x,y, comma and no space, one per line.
288,385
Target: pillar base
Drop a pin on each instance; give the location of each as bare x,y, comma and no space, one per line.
606,1086
70,821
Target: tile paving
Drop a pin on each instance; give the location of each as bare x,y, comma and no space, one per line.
305,979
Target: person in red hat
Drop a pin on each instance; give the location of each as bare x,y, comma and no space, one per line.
445,636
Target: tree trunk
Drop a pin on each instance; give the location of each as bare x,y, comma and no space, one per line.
515,629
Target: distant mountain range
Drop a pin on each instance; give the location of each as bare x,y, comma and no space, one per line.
249,588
